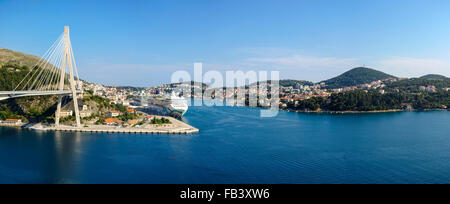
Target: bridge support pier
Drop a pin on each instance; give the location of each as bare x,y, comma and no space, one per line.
58,111
67,58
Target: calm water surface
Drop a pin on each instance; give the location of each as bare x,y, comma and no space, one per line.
236,146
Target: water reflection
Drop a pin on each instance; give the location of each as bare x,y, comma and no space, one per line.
65,161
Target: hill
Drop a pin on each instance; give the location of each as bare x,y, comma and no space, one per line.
360,75
10,57
13,67
433,76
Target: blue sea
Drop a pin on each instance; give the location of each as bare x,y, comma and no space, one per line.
235,145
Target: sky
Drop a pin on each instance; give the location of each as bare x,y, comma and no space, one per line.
142,43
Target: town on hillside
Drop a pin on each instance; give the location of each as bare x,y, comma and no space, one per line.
416,93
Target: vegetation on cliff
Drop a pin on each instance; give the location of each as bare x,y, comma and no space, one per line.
32,109
413,85
360,100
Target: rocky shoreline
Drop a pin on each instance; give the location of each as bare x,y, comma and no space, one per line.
361,112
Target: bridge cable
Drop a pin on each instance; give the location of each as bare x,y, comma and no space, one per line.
43,68
53,66
37,63
37,69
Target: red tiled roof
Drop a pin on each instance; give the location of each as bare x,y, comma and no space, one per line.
112,120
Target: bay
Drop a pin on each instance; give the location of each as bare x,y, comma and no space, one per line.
235,145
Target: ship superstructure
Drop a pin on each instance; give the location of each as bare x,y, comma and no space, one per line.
170,105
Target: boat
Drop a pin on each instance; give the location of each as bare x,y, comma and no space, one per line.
169,105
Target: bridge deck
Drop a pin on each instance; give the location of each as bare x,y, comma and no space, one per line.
16,94
32,92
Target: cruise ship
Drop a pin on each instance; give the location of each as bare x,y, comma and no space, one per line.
170,105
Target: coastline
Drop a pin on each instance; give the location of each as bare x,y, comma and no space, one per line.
361,112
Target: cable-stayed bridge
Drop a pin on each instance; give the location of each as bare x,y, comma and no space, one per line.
56,73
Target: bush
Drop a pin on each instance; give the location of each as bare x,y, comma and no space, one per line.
161,121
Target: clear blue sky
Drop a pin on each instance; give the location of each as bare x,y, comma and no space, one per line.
142,43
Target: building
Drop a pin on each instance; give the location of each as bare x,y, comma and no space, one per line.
430,89
131,111
12,69
112,114
132,122
85,112
126,103
407,106
64,114
113,122
12,121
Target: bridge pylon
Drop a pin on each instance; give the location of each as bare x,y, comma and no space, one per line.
67,60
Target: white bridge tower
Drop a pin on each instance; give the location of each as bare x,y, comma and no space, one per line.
68,62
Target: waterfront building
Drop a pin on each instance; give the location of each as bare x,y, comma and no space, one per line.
12,121
407,106
113,122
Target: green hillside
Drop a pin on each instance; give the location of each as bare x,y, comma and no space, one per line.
413,85
356,76
433,76
14,66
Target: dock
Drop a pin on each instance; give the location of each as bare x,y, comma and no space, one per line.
176,127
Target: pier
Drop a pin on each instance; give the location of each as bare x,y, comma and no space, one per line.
176,127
